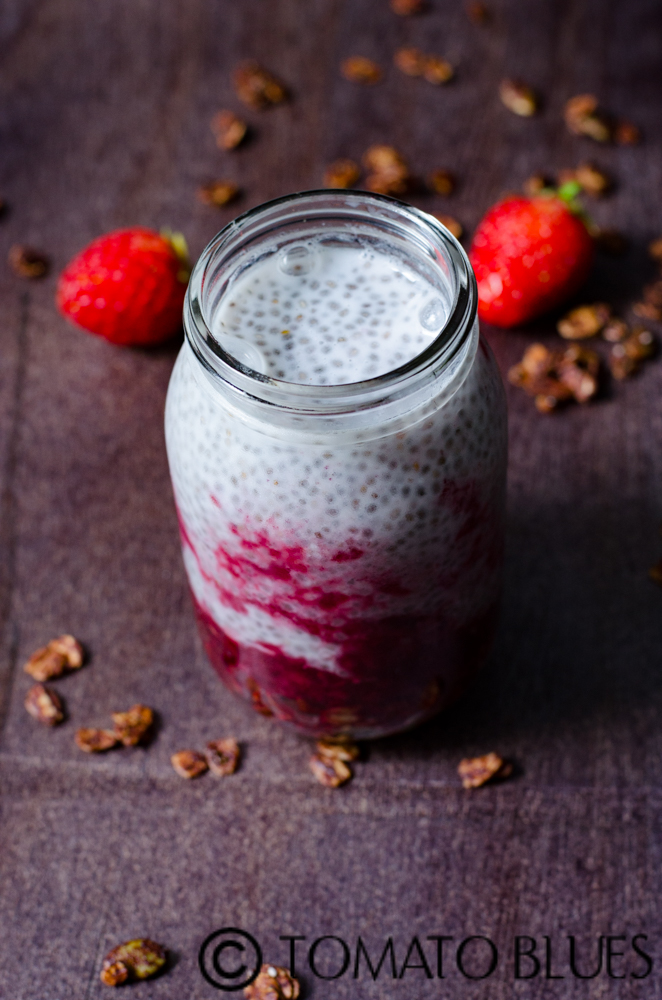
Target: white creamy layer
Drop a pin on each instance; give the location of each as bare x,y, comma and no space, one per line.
324,315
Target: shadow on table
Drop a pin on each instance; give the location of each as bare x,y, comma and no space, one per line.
579,643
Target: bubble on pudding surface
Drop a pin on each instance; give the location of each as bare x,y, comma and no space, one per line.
297,260
244,352
432,316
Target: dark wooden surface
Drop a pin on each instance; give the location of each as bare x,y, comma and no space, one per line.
104,122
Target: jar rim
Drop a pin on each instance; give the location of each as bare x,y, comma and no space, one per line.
320,205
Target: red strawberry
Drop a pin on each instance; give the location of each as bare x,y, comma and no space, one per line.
529,255
127,286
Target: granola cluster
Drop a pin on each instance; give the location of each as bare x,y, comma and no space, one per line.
477,771
273,983
556,377
584,116
130,728
432,68
330,764
221,757
134,960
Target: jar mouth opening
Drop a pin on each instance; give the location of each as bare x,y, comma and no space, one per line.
327,212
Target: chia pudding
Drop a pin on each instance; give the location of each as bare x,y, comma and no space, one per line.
337,444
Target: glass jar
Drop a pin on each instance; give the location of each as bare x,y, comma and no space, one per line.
336,432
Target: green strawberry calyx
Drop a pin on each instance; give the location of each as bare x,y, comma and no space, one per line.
178,243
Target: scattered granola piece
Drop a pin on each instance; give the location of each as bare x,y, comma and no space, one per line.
338,749
655,249
536,183
655,573
584,321
413,62
389,171
477,12
95,740
229,130
620,364
63,653
342,174
273,983
441,182
518,98
330,771
218,193
70,648
640,345
437,70
359,69
26,262
452,225
626,134
407,7
557,376
477,771
138,959
615,331
46,663
653,293
583,117
647,310
611,241
189,763
592,180
223,756
132,726
256,86
44,704
410,61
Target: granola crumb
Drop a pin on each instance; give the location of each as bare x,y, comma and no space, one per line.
342,174
44,704
229,130
223,756
405,8
338,749
583,117
359,69
584,321
518,98
615,331
477,771
218,193
648,310
60,654
441,182
410,61
621,365
389,173
189,763
132,726
655,249
478,13
592,180
95,740
452,225
626,134
437,70
273,982
257,87
330,771
139,959
27,262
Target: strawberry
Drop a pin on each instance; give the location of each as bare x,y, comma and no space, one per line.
529,255
127,286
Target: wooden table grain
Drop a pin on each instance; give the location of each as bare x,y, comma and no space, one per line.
104,122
